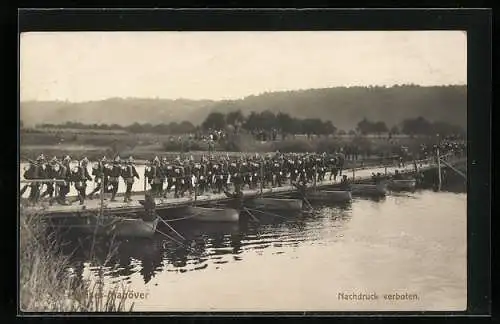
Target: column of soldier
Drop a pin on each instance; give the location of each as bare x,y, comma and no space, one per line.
60,175
218,174
215,174
208,174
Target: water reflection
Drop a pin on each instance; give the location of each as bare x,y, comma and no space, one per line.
207,245
204,244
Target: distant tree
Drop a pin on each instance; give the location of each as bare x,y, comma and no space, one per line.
365,126
173,128
252,122
160,129
327,128
214,120
379,127
417,126
446,129
285,123
264,121
394,130
341,132
235,117
186,127
135,128
352,132
115,126
312,126
147,128
267,120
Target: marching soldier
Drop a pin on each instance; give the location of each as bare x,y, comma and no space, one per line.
187,180
245,172
210,173
277,173
268,171
155,176
333,166
204,182
129,173
114,176
179,178
33,172
218,177
163,176
308,168
80,176
255,170
297,168
43,174
340,162
289,167
225,162
198,174
147,174
321,166
301,168
26,176
234,175
65,175
50,173
98,171
169,173
108,167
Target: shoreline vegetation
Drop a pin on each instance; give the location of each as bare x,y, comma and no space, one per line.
46,280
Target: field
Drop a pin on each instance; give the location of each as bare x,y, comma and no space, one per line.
94,144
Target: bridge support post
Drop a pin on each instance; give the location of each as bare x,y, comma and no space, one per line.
101,210
56,189
439,168
262,176
195,188
315,176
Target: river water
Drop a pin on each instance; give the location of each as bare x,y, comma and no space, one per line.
411,244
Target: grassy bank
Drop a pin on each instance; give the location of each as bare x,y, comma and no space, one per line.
46,282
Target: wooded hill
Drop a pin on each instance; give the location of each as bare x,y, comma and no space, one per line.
345,107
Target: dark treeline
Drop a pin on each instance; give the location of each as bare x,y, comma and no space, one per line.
343,106
270,123
185,127
267,121
411,126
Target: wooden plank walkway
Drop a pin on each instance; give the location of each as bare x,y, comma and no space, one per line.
94,205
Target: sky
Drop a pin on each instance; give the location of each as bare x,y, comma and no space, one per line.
89,66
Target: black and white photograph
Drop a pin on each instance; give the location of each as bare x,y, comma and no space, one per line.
242,171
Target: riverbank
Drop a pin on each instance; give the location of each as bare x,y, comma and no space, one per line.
46,280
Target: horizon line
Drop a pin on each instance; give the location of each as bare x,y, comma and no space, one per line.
247,96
